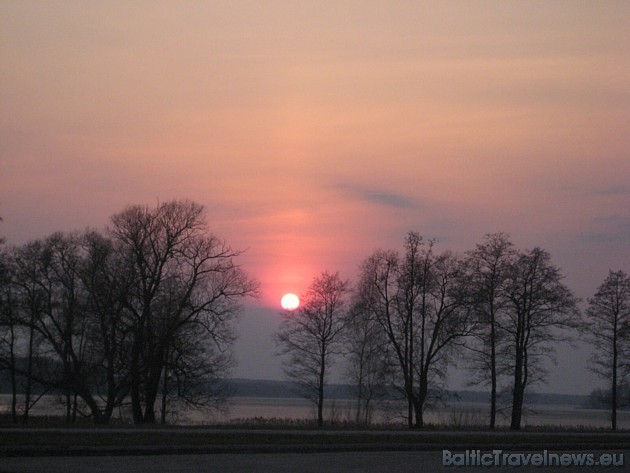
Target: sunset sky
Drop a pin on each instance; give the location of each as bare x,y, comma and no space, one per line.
317,131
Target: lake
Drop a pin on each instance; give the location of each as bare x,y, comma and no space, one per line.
454,414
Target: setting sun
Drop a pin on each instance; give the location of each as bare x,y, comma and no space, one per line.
290,302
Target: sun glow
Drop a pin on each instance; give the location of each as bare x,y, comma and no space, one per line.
290,301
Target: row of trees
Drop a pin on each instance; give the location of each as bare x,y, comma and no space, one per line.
140,314
413,314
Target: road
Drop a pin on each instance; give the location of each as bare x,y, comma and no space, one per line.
341,462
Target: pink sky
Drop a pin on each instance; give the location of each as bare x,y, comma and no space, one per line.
316,132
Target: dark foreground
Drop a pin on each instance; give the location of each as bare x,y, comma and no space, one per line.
191,450
194,440
340,462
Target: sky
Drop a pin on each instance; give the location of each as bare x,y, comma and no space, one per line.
317,132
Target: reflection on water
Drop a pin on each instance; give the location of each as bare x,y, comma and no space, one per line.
455,414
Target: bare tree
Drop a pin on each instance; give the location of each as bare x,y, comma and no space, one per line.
54,313
608,329
194,373
9,330
418,301
66,295
312,335
107,281
8,327
540,306
444,322
27,266
370,366
100,319
184,276
487,270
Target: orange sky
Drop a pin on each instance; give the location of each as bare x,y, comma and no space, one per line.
315,132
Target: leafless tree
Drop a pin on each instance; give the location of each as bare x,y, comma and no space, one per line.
9,330
66,303
539,307
418,301
29,299
370,363
54,313
608,329
486,272
194,374
100,319
312,335
106,280
184,276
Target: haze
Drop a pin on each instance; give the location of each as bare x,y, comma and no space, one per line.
316,132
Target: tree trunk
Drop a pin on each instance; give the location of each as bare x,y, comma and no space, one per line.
136,370
320,392
82,391
613,416
164,395
420,400
68,407
410,402
136,405
75,407
12,368
359,390
29,373
111,393
419,424
517,394
493,374
152,386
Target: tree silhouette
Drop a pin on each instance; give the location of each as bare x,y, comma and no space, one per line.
146,309
538,305
370,365
418,301
312,335
487,269
183,276
608,329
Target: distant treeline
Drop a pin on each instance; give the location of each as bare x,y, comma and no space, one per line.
264,388
285,389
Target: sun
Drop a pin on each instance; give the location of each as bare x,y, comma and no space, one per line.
290,301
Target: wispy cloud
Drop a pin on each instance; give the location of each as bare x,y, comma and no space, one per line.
610,229
377,196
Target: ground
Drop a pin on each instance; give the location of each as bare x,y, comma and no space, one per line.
190,450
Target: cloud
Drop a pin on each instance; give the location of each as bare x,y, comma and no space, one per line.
377,196
610,229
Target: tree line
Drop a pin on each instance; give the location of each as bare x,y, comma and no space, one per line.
141,316
496,310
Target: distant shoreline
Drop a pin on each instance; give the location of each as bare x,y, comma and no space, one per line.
245,387
248,387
